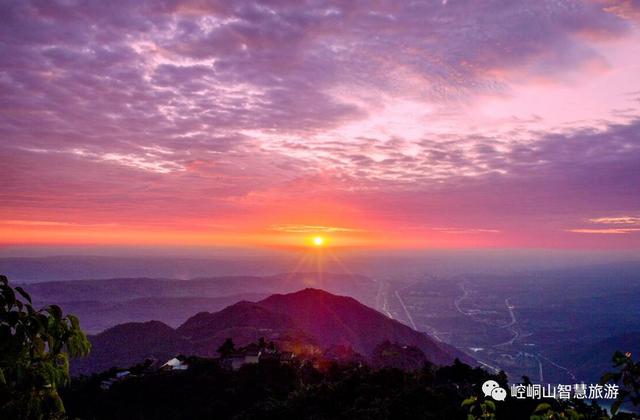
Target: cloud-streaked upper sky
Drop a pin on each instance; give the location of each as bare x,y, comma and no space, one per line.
443,123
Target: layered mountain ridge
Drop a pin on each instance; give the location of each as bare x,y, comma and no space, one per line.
308,321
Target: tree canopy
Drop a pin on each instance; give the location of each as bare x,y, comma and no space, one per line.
35,346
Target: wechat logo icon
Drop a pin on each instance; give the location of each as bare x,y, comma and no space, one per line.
493,390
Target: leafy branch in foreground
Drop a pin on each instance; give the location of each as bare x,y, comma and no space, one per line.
35,346
627,376
480,408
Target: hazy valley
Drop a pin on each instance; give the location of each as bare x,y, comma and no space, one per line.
551,325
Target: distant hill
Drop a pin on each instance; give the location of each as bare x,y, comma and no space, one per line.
97,316
80,267
118,289
101,304
308,319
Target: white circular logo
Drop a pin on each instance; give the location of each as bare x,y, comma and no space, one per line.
492,389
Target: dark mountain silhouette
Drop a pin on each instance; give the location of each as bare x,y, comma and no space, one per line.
338,320
245,322
241,314
308,320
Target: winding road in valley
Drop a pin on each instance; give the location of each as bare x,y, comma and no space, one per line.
511,326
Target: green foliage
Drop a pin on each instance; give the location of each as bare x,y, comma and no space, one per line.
35,346
627,376
545,411
480,408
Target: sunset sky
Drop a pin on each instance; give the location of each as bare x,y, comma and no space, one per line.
435,124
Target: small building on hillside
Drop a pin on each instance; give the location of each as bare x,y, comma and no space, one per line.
255,353
247,355
177,363
244,356
252,353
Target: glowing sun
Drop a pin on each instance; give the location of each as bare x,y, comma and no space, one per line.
318,241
